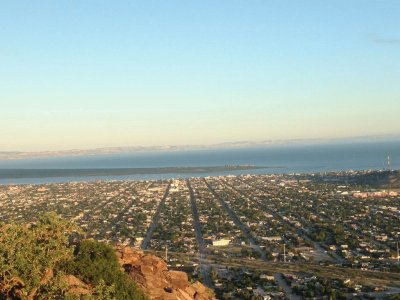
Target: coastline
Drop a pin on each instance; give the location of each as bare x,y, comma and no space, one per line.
104,172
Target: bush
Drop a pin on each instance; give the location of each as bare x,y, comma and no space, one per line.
34,260
95,262
28,254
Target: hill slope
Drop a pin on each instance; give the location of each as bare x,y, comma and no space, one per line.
49,260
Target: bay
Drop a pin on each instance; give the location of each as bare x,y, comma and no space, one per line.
292,158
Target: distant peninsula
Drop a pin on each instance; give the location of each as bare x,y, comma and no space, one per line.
59,173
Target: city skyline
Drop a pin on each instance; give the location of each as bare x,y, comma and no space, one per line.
76,75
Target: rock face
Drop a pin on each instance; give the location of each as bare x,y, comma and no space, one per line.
152,275
76,287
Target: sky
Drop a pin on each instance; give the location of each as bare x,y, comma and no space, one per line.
88,74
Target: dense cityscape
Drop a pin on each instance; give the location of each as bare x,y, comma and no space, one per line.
200,150
246,237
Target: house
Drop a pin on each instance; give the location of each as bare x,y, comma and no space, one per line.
221,242
272,238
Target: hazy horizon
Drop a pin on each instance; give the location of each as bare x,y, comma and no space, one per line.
367,141
79,75
228,144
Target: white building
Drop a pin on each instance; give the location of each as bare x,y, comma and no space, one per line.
221,242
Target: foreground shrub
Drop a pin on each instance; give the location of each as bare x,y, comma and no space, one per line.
28,255
96,262
35,259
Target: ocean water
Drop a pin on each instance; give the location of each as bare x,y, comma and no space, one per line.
278,159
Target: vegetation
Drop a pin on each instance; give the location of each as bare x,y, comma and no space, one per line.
35,260
96,263
331,234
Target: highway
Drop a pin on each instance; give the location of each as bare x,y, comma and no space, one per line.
250,238
204,267
156,218
300,231
375,278
278,277
237,222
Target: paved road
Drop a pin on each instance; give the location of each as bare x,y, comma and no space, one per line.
118,217
287,289
370,238
205,268
385,279
278,276
156,218
388,292
237,221
338,259
300,231
254,245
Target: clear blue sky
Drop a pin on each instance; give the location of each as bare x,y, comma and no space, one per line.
83,74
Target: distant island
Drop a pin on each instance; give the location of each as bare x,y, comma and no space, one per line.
55,173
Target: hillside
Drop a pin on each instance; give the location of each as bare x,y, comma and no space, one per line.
377,179
372,179
150,273
50,260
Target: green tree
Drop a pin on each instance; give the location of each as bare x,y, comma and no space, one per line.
96,262
34,260
29,254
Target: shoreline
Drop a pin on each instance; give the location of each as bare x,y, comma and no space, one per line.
372,178
104,172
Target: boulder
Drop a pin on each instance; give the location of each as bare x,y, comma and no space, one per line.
199,287
178,279
152,275
76,287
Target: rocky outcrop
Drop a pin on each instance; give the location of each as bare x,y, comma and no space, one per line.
152,275
76,287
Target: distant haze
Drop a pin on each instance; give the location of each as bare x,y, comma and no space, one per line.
289,158
87,75
365,140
